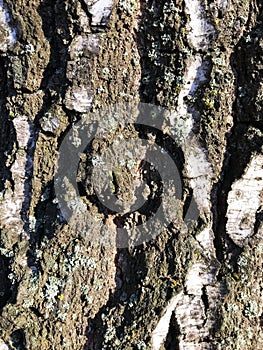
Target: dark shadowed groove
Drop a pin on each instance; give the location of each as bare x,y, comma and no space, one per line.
7,142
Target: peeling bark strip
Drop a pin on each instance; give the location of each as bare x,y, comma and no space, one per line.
62,62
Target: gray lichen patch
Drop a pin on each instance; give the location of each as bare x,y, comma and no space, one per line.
242,310
116,62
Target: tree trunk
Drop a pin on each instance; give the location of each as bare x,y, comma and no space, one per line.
131,174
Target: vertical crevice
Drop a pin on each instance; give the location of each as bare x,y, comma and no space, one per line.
7,144
172,340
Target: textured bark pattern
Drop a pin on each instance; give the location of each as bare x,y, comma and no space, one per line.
189,288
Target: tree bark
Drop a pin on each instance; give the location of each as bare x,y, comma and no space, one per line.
92,93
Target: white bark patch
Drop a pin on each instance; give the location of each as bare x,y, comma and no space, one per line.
7,33
11,206
201,35
160,332
198,168
244,199
197,277
200,172
196,71
190,311
191,346
200,31
195,324
190,316
3,345
100,11
206,241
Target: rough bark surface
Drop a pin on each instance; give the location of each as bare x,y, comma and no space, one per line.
190,287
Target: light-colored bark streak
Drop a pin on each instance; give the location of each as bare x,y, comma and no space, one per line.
194,322
198,168
160,332
244,200
200,29
3,346
100,11
8,35
12,206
